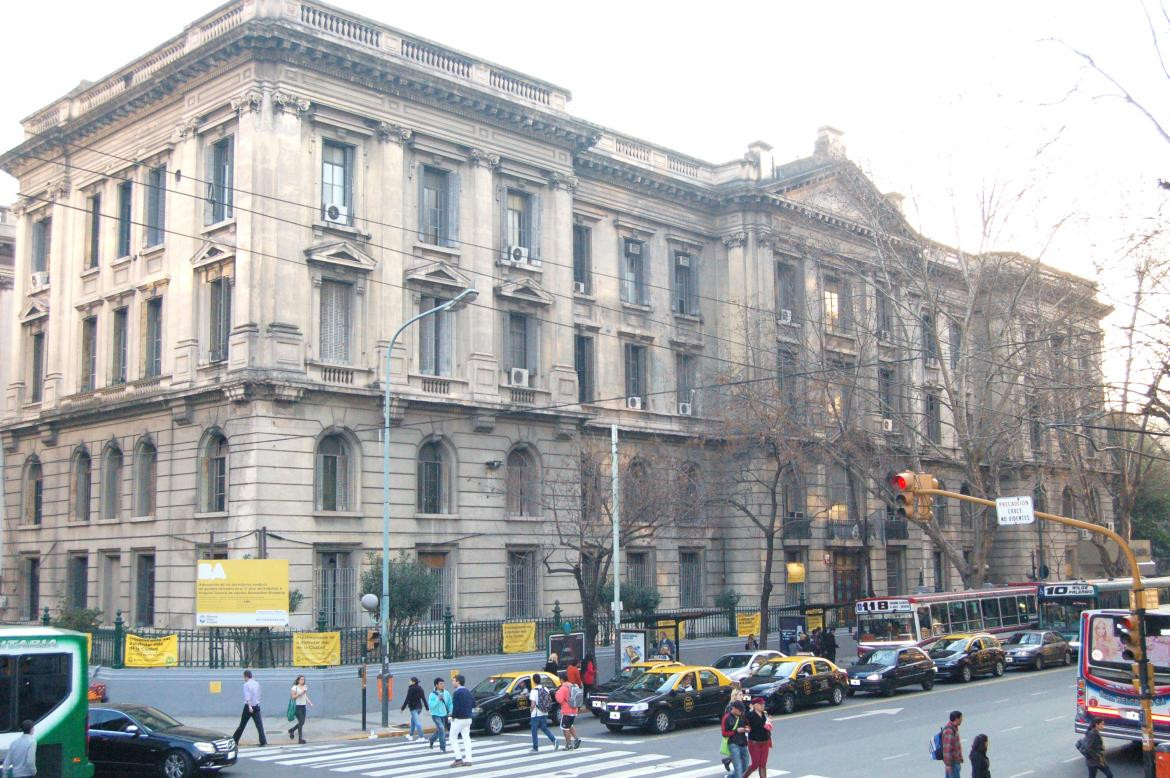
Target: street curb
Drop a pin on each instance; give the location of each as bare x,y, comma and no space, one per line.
384,734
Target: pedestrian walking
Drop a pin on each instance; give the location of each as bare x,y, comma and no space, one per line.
416,702
829,644
589,674
21,759
553,664
540,703
804,642
735,729
573,673
462,703
817,637
736,696
952,745
752,644
759,738
571,697
251,709
299,696
1094,749
439,704
980,764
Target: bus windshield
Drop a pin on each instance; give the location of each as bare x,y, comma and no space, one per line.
886,626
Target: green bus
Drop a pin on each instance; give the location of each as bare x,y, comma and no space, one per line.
44,676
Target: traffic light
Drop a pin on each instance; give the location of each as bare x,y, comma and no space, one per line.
1125,629
373,640
926,501
904,485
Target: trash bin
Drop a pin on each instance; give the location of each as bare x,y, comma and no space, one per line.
1162,761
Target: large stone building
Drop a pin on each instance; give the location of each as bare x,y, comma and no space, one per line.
218,240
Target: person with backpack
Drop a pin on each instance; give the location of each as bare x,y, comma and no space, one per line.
952,745
439,704
736,695
1093,749
540,703
571,698
735,728
980,764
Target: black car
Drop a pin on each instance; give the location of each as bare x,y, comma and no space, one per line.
502,700
665,696
1037,649
962,656
883,670
600,693
125,737
793,681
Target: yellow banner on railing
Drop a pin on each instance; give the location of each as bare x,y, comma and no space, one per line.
747,624
311,649
152,652
519,637
667,626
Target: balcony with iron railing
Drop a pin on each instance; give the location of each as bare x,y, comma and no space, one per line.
796,528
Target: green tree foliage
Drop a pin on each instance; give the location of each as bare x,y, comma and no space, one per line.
1151,511
413,589
78,619
636,600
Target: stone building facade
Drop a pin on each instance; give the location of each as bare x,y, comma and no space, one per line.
216,244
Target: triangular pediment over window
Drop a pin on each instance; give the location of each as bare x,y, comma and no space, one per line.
526,291
210,253
36,309
438,273
341,253
841,189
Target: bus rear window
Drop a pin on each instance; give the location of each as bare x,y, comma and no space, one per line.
1106,649
43,682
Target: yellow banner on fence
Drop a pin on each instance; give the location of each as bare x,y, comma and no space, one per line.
311,649
747,624
667,626
241,593
814,618
519,637
152,652
795,572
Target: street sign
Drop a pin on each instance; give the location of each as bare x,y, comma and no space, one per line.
1014,510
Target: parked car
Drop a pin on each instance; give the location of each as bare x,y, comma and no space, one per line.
600,693
501,700
1036,649
740,664
963,655
664,696
787,683
125,738
884,670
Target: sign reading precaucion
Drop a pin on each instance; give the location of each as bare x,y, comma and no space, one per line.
1014,510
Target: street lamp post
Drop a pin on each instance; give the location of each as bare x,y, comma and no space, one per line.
464,298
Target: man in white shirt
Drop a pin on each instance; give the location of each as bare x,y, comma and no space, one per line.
251,709
21,759
540,705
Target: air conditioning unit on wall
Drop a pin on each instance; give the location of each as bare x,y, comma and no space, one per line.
887,425
579,287
784,316
39,280
634,403
684,409
336,214
518,376
518,254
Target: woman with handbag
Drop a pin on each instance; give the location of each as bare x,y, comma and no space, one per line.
298,701
759,738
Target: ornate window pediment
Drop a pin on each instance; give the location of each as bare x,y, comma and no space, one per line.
440,274
524,290
341,253
211,253
36,309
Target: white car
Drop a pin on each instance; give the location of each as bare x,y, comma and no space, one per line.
740,664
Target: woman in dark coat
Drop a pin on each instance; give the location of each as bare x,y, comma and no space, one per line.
980,764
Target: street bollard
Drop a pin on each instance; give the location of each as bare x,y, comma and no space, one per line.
448,642
119,640
45,616
362,675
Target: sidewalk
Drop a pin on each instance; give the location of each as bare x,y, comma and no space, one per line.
317,730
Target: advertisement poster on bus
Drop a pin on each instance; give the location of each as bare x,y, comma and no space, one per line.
633,643
241,593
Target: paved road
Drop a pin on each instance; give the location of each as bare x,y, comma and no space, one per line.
1028,717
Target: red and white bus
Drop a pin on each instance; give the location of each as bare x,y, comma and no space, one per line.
1105,677
918,619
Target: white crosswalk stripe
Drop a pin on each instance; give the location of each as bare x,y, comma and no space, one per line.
491,758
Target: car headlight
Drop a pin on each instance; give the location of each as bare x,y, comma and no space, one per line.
476,711
205,748
638,707
873,677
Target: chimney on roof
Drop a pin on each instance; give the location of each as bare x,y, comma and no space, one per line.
830,143
762,153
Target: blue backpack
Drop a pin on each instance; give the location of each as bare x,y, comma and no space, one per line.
936,746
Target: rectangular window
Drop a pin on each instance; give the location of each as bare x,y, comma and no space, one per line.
933,418
583,258
787,379
154,331
583,357
684,373
36,367
88,353
111,583
518,219
156,205
439,564
144,591
955,342
125,199
634,272
884,315
522,582
690,579
435,339
78,582
220,319
635,362
929,340
686,295
119,346
638,569
337,182
839,389
217,481
32,588
838,306
895,572
93,237
220,181
521,346
887,392
433,206
335,589
42,243
787,291
940,582
336,324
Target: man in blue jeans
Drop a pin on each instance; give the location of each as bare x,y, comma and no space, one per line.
540,701
952,745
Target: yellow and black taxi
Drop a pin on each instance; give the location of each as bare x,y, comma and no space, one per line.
789,682
630,673
501,700
961,656
664,696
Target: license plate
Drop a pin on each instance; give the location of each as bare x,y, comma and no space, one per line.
1132,715
854,682
1007,660
613,714
598,704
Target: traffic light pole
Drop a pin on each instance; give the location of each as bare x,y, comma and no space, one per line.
1140,599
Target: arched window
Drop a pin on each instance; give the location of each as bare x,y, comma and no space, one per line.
792,494
432,478
213,473
333,474
1067,504
522,483
690,493
145,478
636,497
112,482
33,494
82,477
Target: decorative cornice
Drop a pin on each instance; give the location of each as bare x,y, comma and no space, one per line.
597,166
60,189
394,133
187,128
481,158
252,100
286,102
734,240
562,181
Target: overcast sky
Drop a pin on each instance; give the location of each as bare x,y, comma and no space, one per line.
939,101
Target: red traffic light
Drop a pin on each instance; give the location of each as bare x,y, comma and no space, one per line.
902,481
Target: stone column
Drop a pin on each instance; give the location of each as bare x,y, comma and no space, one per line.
389,301
479,254
558,279
247,293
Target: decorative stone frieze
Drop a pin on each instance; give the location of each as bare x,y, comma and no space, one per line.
252,101
481,158
735,240
285,102
562,181
394,133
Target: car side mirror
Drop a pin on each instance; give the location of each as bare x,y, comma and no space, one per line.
132,729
